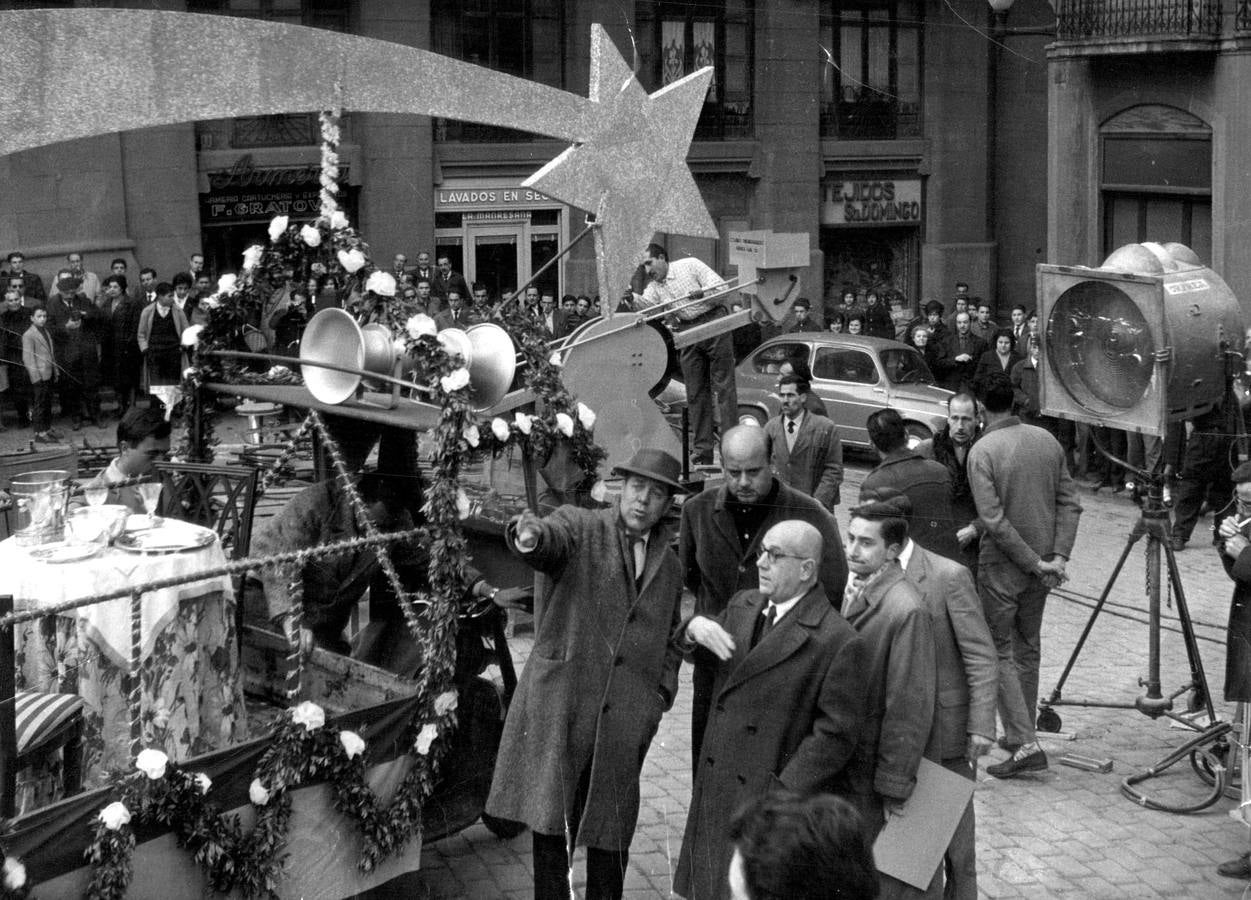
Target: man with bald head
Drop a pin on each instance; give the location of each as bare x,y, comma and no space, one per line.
720,537
789,700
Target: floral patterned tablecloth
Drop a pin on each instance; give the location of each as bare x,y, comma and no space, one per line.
191,685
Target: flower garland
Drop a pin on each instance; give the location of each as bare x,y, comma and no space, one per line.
301,751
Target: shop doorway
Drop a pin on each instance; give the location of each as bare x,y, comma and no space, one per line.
493,259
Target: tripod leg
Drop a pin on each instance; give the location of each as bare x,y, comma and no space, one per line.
1094,614
1198,677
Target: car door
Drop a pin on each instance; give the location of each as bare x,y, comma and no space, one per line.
847,379
757,376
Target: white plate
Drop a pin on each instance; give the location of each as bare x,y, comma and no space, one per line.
64,552
171,537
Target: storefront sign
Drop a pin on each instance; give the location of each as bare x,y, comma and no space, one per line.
245,193
484,197
872,202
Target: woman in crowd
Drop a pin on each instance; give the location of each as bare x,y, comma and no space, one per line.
1001,356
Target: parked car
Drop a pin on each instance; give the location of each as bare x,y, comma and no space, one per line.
853,374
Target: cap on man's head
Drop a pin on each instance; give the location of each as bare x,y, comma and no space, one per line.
803,303
1242,474
656,465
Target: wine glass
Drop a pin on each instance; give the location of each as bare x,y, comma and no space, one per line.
150,494
95,494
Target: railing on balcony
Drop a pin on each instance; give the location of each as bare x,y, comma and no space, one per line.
870,119
1096,19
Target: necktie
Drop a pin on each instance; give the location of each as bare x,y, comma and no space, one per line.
639,548
764,624
790,426
456,315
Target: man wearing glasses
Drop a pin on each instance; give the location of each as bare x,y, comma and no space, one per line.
789,700
720,537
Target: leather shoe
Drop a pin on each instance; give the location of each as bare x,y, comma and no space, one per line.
1017,763
1236,868
1178,544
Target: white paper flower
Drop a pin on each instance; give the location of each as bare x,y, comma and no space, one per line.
338,220
310,235
599,491
115,815
586,416
160,715
252,257
445,703
429,732
455,380
258,793
352,260
277,226
14,873
203,782
564,424
310,715
189,372
555,359
191,335
211,302
152,762
228,284
400,346
473,437
381,283
524,422
500,429
353,743
463,506
421,325
278,371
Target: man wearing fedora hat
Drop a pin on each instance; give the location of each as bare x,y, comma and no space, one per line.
602,672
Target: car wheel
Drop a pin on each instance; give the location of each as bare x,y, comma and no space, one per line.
916,433
752,412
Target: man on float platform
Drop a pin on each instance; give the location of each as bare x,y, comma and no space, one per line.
602,672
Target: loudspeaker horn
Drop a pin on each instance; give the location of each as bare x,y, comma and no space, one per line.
333,337
490,356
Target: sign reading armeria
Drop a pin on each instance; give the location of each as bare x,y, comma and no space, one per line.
871,202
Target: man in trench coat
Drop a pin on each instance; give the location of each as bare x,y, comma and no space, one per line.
788,702
602,672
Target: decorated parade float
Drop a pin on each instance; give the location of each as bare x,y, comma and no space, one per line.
323,774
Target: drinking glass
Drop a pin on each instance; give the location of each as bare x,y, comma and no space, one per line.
96,494
150,494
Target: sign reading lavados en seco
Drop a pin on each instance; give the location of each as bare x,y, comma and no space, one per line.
879,201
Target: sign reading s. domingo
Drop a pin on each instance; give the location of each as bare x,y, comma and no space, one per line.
878,201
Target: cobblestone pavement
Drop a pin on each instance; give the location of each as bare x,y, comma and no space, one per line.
1061,833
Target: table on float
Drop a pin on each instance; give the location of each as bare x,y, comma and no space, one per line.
191,689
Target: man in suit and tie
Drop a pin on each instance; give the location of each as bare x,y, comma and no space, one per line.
804,450
789,701
147,285
963,349
447,279
720,537
551,316
455,316
1020,327
604,669
423,269
964,708
888,613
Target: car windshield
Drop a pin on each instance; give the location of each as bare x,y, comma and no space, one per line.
904,365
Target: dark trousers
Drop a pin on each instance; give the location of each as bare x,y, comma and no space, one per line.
19,392
605,869
41,406
708,368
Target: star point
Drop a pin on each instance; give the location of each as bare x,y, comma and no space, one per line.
630,167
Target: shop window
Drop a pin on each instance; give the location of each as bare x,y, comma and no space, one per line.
677,38
871,74
834,364
330,14
1157,179
525,38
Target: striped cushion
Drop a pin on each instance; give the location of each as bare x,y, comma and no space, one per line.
38,716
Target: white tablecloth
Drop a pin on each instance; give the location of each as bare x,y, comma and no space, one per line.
39,585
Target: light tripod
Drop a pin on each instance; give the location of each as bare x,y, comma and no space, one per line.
1209,747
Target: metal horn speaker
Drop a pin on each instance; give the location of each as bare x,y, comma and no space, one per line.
332,337
492,364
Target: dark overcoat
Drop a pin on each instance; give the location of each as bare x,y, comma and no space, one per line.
1238,635
602,672
786,712
815,464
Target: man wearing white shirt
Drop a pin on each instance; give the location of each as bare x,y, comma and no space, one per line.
788,702
707,366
